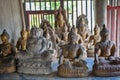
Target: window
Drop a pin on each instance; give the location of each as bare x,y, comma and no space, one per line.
36,10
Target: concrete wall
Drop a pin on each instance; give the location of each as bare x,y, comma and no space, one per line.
10,18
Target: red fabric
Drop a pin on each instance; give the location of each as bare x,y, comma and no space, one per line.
113,23
109,19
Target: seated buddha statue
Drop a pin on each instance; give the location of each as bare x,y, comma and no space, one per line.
84,32
38,57
79,38
93,40
65,34
106,63
21,43
60,19
7,53
72,62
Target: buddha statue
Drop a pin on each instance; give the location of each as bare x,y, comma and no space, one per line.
7,53
79,38
83,29
21,43
38,56
60,19
65,34
71,61
106,63
93,40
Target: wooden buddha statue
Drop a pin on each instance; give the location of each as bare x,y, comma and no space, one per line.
21,43
72,58
7,53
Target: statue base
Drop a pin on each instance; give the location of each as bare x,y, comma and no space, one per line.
34,66
8,67
66,72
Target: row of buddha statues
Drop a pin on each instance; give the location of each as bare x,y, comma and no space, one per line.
37,49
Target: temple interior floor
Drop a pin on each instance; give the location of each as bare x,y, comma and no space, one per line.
53,76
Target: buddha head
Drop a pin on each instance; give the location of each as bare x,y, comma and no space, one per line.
24,34
36,32
96,29
72,37
82,27
104,33
4,36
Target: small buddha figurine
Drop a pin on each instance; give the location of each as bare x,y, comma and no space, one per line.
60,19
75,30
7,53
106,63
65,34
83,31
95,38
72,58
21,43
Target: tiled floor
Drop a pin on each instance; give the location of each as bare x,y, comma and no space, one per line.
53,76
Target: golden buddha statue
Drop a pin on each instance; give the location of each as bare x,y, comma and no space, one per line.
7,53
60,19
21,43
93,40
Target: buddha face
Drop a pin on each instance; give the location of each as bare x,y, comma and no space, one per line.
96,30
82,28
75,30
72,38
24,35
105,36
4,39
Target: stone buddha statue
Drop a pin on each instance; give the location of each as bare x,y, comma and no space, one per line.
93,40
72,58
106,63
38,56
7,53
21,43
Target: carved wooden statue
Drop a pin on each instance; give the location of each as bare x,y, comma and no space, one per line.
7,53
72,59
106,64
